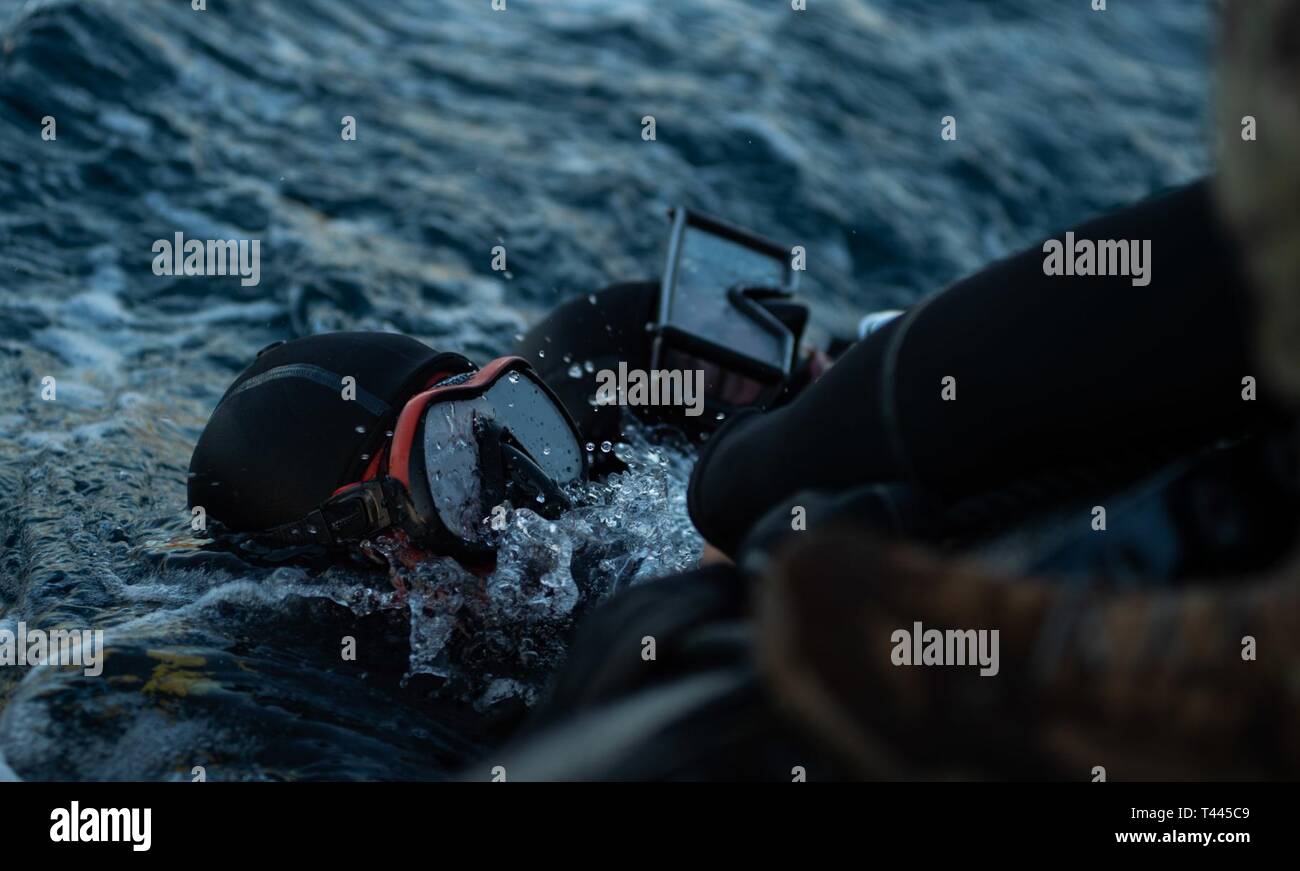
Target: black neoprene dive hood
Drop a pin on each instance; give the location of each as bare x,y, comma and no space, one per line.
284,437
594,333
609,328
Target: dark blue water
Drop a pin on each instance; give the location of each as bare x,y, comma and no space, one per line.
475,129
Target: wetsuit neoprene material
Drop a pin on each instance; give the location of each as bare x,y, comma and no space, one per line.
287,433
592,333
1050,370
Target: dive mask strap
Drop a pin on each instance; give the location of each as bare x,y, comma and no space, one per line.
348,516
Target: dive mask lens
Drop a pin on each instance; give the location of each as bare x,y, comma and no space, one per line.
510,443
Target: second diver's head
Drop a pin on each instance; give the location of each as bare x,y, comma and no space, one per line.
333,439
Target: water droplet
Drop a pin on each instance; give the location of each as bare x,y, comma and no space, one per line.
541,498
590,447
365,457
546,451
514,377
591,298
720,416
388,434
361,429
541,353
587,367
519,337
575,371
606,447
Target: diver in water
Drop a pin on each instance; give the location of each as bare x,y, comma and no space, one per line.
1009,388
326,441
780,665
1009,375
330,440
1014,382
1006,375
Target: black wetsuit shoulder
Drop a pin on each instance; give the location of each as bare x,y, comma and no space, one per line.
1012,371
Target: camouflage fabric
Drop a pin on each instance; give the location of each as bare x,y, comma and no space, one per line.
1147,685
1259,179
1158,684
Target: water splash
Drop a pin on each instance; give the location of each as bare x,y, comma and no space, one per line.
496,636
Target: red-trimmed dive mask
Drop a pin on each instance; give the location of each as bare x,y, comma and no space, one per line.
490,439
473,442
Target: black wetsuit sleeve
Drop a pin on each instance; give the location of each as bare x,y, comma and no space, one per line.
1047,370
